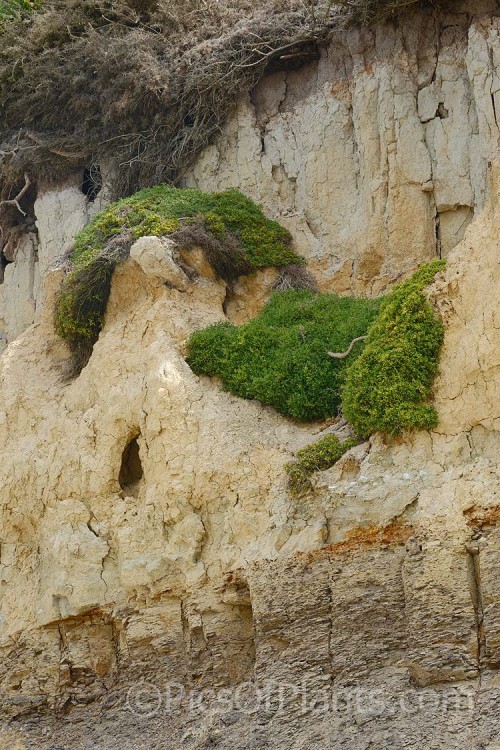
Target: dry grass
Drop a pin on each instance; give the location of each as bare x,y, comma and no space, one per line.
296,277
144,85
225,255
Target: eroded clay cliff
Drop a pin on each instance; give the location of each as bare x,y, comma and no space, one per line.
148,537
375,157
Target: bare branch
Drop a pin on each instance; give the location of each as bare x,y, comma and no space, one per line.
56,151
19,196
12,152
343,355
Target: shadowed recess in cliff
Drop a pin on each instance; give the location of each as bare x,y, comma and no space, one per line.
131,471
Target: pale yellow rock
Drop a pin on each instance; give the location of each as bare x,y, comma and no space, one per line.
212,506
249,294
61,213
155,257
376,158
377,593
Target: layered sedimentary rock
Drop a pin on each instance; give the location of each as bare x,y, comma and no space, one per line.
159,585
376,596
376,156
60,215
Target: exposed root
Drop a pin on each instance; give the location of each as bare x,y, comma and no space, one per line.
145,86
296,277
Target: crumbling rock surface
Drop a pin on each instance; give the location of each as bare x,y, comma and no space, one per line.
365,614
159,586
375,157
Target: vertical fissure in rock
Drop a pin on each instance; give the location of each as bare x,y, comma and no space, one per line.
439,248
493,104
477,600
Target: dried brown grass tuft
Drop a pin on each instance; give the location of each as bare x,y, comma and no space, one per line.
296,277
226,256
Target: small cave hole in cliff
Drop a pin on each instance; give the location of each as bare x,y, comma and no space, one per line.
294,58
131,472
92,182
3,265
442,112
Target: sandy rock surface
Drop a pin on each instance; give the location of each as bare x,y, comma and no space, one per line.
159,586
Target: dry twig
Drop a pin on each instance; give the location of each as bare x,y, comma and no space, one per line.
343,355
19,196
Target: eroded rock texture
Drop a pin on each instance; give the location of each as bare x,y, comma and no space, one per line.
375,157
159,586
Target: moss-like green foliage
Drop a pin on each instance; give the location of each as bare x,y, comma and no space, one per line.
388,388
10,9
81,303
280,357
237,236
162,209
13,10
316,457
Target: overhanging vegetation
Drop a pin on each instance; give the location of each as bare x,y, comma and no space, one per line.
144,85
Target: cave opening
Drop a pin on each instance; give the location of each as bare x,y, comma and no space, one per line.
131,471
92,182
294,58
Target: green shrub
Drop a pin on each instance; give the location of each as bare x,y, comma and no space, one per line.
234,233
163,210
82,299
280,357
388,388
10,9
316,457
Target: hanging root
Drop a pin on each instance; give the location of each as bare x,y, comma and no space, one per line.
145,85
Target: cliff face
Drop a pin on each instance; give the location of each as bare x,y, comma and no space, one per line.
376,156
159,586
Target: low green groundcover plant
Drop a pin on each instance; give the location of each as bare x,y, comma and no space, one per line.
280,357
316,457
10,9
236,236
388,387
